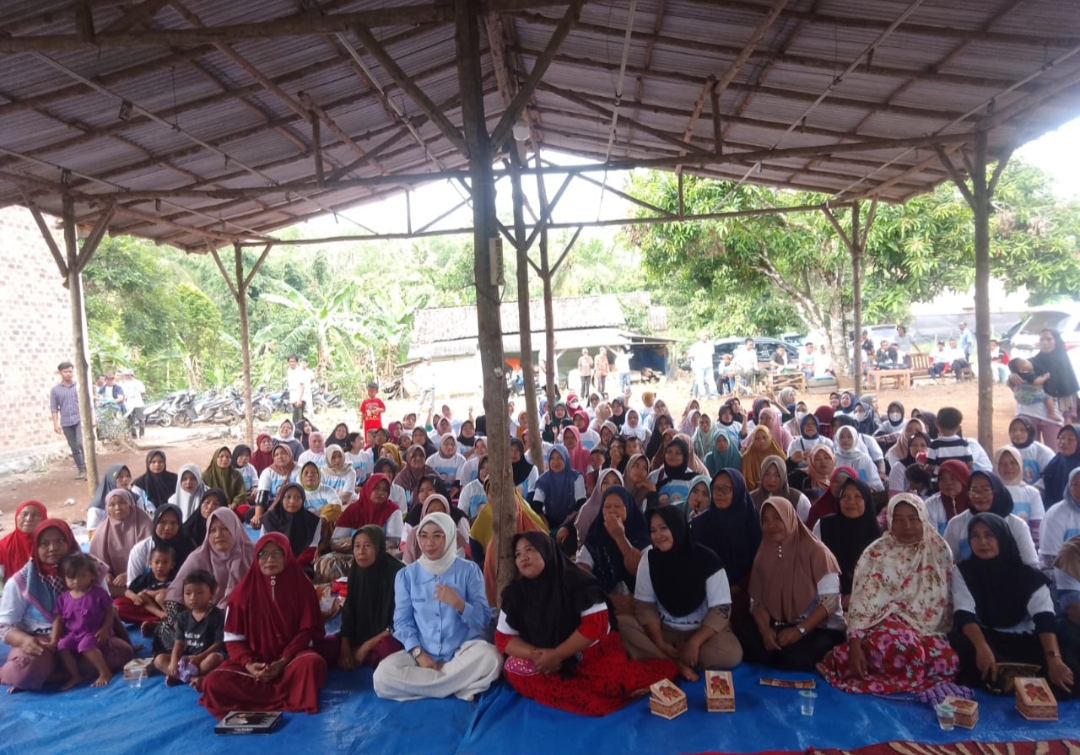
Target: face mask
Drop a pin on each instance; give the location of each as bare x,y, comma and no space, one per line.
895,417
799,417
860,415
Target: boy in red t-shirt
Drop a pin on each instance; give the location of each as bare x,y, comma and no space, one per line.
371,409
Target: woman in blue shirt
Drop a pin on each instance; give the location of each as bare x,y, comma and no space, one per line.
439,615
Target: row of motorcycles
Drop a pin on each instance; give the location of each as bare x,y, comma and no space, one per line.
185,408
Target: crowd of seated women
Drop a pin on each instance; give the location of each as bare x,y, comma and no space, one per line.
888,553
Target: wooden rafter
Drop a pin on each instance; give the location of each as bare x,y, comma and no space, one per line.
299,24
767,56
408,85
780,92
528,86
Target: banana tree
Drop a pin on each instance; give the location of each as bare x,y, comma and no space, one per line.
330,319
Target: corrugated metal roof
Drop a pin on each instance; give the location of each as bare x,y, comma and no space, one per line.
946,60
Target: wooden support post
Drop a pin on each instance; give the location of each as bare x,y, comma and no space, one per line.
500,481
983,193
856,295
239,293
717,126
79,341
316,147
978,197
545,278
536,446
245,344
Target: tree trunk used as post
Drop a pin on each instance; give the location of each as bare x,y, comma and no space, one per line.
981,210
536,446
500,481
245,345
545,277
856,249
78,338
978,198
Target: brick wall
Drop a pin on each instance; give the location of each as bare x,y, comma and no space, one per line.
35,333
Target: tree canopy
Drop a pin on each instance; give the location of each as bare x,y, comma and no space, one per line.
763,275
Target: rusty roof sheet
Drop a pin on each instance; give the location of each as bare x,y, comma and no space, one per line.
229,115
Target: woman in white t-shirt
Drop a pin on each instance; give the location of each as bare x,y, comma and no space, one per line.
682,601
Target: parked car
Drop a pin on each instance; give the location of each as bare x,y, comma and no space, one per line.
1064,318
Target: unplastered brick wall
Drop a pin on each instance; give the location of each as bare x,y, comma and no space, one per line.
35,333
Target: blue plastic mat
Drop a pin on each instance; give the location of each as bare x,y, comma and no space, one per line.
156,720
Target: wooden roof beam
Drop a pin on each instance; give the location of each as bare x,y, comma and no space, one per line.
804,60
363,33
790,94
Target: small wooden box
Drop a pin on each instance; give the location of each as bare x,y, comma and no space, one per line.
138,668
1034,699
667,700
967,711
719,692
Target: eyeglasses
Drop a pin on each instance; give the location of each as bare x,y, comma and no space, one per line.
724,491
271,555
981,491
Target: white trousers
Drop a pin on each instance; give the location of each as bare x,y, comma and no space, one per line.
471,671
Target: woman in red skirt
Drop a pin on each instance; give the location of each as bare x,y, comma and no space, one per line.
556,628
272,619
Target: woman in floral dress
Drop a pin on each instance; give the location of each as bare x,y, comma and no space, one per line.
899,611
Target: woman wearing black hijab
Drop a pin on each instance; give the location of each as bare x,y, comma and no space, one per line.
157,483
195,525
1054,359
1003,611
367,618
849,531
558,631
522,470
682,601
289,516
731,528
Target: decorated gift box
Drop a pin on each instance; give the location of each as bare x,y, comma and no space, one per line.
719,692
667,700
1034,699
967,711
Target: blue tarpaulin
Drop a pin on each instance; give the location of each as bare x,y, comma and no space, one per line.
158,720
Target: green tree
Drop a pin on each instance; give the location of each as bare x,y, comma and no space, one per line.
199,330
766,274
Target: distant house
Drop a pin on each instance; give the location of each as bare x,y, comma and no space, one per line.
449,336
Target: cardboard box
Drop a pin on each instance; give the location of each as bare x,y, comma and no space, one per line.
667,700
719,692
1034,699
967,711
138,668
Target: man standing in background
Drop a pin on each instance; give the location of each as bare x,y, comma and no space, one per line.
601,367
135,398
425,381
296,380
64,403
701,362
585,366
622,369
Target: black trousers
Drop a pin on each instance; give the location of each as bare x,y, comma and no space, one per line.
804,655
137,421
73,433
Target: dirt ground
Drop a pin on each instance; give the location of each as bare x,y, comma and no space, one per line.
55,484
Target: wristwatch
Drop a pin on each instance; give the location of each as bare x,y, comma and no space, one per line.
801,628
416,651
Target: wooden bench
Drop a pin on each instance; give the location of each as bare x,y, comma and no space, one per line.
900,378
919,366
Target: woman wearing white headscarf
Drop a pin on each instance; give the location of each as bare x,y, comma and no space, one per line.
440,613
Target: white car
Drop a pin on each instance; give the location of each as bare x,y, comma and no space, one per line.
1064,317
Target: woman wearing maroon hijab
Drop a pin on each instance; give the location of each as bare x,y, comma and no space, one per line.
272,619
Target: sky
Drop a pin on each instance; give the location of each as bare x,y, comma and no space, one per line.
1056,152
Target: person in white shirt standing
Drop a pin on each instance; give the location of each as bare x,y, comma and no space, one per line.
135,393
296,380
701,362
622,368
425,381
